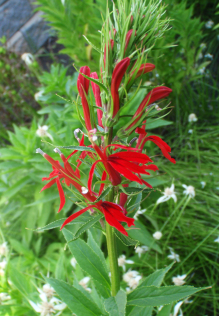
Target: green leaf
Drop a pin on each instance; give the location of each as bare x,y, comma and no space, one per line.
126,240
79,148
154,296
87,225
157,123
14,189
133,190
21,281
104,193
141,234
155,279
78,303
115,306
88,260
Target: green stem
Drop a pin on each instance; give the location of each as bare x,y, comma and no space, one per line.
113,260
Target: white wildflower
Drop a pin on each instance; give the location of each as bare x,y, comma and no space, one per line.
173,255
140,250
48,307
209,24
94,138
168,194
47,290
42,132
190,131
210,56
38,95
4,297
203,184
189,190
201,71
63,2
122,262
130,275
192,117
179,280
84,190
177,309
148,83
139,212
217,239
4,249
73,262
84,283
133,283
27,58
203,45
3,264
157,235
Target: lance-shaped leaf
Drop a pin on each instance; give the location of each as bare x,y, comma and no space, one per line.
115,306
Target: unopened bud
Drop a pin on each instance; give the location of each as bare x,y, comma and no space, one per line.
56,150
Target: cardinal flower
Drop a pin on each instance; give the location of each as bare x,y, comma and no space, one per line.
83,86
117,76
154,95
127,38
114,214
143,138
122,163
144,68
96,91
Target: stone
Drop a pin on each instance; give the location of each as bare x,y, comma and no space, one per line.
13,15
35,31
17,44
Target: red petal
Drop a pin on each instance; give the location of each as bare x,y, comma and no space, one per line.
120,146
61,194
48,185
91,174
102,184
130,156
129,165
113,222
75,215
147,184
151,167
118,212
163,148
125,172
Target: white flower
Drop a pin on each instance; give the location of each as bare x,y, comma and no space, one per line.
84,190
73,262
189,190
47,308
42,132
3,264
179,280
133,283
63,2
192,117
209,24
168,194
130,275
27,58
122,261
217,239
203,184
94,138
84,283
203,45
190,131
173,255
47,290
201,71
140,250
4,249
148,83
157,235
38,95
209,56
139,212
177,309
4,297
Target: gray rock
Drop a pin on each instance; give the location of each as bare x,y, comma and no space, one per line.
17,43
35,31
13,15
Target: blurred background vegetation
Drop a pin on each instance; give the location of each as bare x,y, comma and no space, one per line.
41,94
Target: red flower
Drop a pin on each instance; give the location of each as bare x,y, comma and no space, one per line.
144,68
154,95
114,214
165,148
83,86
117,76
124,163
127,38
96,92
